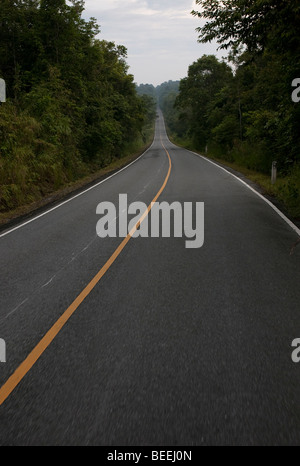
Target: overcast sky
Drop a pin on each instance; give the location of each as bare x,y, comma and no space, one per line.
160,35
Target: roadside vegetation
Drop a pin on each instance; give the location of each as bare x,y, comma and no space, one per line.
240,110
72,107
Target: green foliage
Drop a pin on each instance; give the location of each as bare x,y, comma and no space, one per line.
167,93
241,111
165,89
265,52
147,90
257,24
72,106
200,99
289,191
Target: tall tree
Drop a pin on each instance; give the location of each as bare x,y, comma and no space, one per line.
255,23
268,30
206,78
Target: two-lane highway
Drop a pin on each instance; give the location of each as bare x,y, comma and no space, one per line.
141,341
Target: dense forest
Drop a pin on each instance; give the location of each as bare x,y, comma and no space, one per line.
245,110
72,107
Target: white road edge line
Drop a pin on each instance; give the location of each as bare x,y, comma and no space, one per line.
288,221
74,197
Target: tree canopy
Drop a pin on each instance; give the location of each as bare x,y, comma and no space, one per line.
257,24
72,103
241,109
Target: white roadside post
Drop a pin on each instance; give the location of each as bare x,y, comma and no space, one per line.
2,91
274,173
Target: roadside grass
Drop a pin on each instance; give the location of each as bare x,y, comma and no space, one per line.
26,199
286,190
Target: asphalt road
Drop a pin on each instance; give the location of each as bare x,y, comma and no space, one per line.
172,346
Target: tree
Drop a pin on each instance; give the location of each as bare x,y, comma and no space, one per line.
268,32
257,24
68,92
197,93
148,90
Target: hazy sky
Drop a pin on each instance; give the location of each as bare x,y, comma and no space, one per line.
160,35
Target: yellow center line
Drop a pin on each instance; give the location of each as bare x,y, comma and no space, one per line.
39,349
